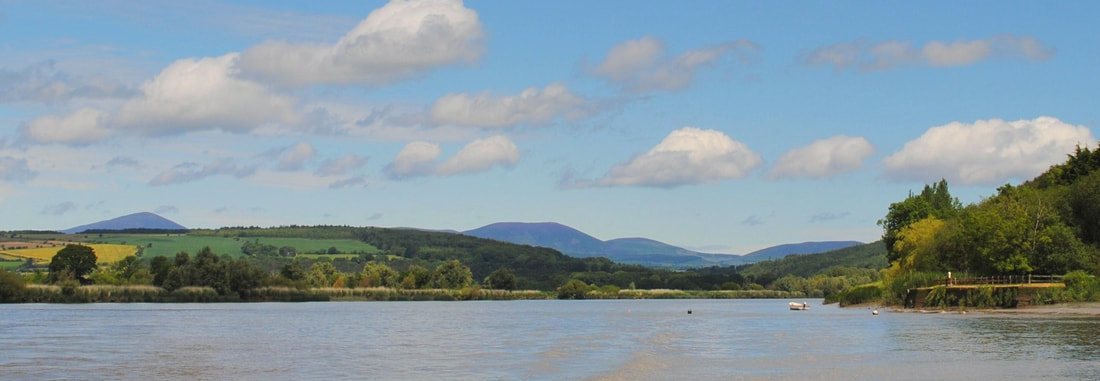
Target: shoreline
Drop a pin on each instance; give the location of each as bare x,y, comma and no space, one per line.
1067,309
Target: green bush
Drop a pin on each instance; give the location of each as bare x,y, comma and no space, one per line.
1081,285
574,289
856,295
11,287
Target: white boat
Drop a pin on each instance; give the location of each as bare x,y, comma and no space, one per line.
796,306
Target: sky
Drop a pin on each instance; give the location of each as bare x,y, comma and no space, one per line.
717,126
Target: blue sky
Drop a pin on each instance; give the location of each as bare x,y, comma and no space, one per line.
716,126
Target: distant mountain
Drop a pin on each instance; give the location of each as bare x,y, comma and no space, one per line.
781,251
575,243
144,220
565,239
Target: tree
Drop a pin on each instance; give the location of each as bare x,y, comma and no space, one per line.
915,247
72,262
321,274
379,275
501,279
452,274
160,267
293,271
933,201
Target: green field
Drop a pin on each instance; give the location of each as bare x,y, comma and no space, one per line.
169,245
8,265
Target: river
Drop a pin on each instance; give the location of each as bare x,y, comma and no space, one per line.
538,340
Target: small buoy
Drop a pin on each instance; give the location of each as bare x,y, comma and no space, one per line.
689,312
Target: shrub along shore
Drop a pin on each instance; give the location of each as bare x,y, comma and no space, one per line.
152,294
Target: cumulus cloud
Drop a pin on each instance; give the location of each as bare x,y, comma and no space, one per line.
823,158
398,40
294,158
42,82
686,156
640,66
340,166
203,94
866,56
415,159
481,155
83,126
189,172
15,170
419,158
530,106
986,151
59,209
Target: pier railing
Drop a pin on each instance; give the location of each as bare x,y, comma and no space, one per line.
1002,279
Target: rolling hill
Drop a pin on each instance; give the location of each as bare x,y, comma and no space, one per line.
870,255
641,251
143,220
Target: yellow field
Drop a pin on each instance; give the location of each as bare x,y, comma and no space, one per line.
105,253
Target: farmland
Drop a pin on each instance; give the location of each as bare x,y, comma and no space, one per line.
105,253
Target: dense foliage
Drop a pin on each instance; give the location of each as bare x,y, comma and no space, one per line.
1049,225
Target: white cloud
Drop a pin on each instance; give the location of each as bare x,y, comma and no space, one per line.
892,54
481,155
83,126
986,151
340,166
414,160
419,158
398,40
686,156
189,172
294,158
203,94
15,170
823,158
166,209
530,106
638,65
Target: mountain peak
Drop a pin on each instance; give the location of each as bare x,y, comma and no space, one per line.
142,220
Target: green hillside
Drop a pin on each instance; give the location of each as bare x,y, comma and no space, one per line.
866,256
